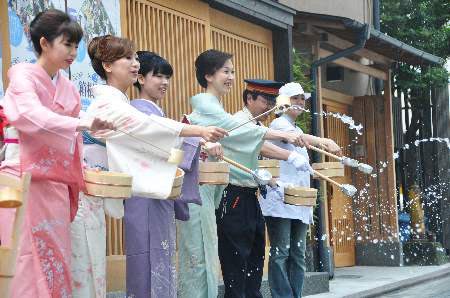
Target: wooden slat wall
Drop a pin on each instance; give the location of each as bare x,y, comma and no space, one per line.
361,202
175,36
376,210
114,237
180,36
4,41
341,211
251,60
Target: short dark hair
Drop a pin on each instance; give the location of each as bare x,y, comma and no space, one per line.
152,62
208,62
270,98
52,23
108,48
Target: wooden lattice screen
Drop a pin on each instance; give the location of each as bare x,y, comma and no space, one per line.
175,36
179,33
340,212
251,60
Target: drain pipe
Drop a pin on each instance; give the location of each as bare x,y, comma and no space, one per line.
376,26
325,264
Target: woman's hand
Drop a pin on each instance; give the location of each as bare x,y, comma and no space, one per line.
95,124
214,149
213,134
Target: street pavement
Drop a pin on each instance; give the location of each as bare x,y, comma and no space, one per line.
366,281
439,288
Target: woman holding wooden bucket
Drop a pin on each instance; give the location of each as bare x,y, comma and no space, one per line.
150,231
287,225
43,105
114,60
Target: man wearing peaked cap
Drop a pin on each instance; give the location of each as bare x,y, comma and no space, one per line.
241,227
269,87
259,96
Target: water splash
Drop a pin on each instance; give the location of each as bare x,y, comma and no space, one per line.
417,143
343,117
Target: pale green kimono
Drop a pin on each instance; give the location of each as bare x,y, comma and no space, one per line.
198,261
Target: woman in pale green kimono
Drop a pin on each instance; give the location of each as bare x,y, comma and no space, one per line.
198,256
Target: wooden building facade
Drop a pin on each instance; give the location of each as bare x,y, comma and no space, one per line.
257,34
362,230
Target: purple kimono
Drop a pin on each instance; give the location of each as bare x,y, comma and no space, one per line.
150,230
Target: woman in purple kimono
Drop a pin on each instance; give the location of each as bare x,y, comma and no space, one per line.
150,230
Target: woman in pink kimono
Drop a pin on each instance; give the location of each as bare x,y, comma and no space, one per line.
43,106
114,60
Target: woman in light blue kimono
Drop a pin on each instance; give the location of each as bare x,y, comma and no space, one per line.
198,249
150,231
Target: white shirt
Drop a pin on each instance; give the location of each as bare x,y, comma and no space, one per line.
274,204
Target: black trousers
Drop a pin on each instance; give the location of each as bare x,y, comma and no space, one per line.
241,240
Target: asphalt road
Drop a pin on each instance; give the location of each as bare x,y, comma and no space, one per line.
439,288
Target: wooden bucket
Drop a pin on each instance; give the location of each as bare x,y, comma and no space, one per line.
105,184
329,169
12,189
217,173
271,165
300,196
177,184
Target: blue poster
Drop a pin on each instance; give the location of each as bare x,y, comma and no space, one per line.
20,14
96,18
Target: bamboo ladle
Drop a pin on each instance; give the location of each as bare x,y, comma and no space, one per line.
282,102
365,168
261,176
347,189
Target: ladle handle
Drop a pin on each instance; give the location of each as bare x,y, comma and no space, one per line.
237,165
325,152
254,118
327,178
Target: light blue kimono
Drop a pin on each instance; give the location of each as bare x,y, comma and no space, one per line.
197,252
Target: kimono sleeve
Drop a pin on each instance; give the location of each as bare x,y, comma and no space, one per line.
190,147
215,115
25,111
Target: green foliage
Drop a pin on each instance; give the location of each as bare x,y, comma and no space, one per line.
301,67
424,24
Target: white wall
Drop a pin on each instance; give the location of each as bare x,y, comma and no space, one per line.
360,10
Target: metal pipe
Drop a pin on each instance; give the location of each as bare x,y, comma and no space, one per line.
376,26
363,36
376,14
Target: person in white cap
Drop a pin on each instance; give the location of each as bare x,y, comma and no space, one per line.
287,225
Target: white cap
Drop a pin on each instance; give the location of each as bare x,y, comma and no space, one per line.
291,89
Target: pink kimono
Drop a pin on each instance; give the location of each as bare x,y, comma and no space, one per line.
44,113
